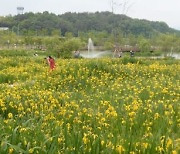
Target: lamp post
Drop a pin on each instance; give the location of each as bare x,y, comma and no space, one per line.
20,10
18,30
8,43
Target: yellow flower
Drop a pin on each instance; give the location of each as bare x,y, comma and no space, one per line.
145,145
132,114
120,149
159,149
174,152
102,142
11,150
10,115
85,139
31,150
169,143
156,116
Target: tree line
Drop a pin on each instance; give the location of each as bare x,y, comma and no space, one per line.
70,31
49,24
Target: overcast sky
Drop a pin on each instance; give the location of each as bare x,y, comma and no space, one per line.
154,10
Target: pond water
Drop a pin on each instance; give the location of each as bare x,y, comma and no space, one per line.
102,54
174,55
95,54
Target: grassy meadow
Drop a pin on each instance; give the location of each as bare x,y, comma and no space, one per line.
109,105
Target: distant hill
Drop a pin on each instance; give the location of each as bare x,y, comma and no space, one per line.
84,22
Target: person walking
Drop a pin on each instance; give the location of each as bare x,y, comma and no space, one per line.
51,62
131,53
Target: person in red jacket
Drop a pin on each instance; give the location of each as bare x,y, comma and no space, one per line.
51,62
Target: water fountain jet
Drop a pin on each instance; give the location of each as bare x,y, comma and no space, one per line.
90,46
92,52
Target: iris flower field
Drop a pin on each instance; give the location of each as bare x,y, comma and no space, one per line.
108,105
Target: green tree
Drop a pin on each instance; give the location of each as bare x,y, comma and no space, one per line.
68,46
144,45
56,32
